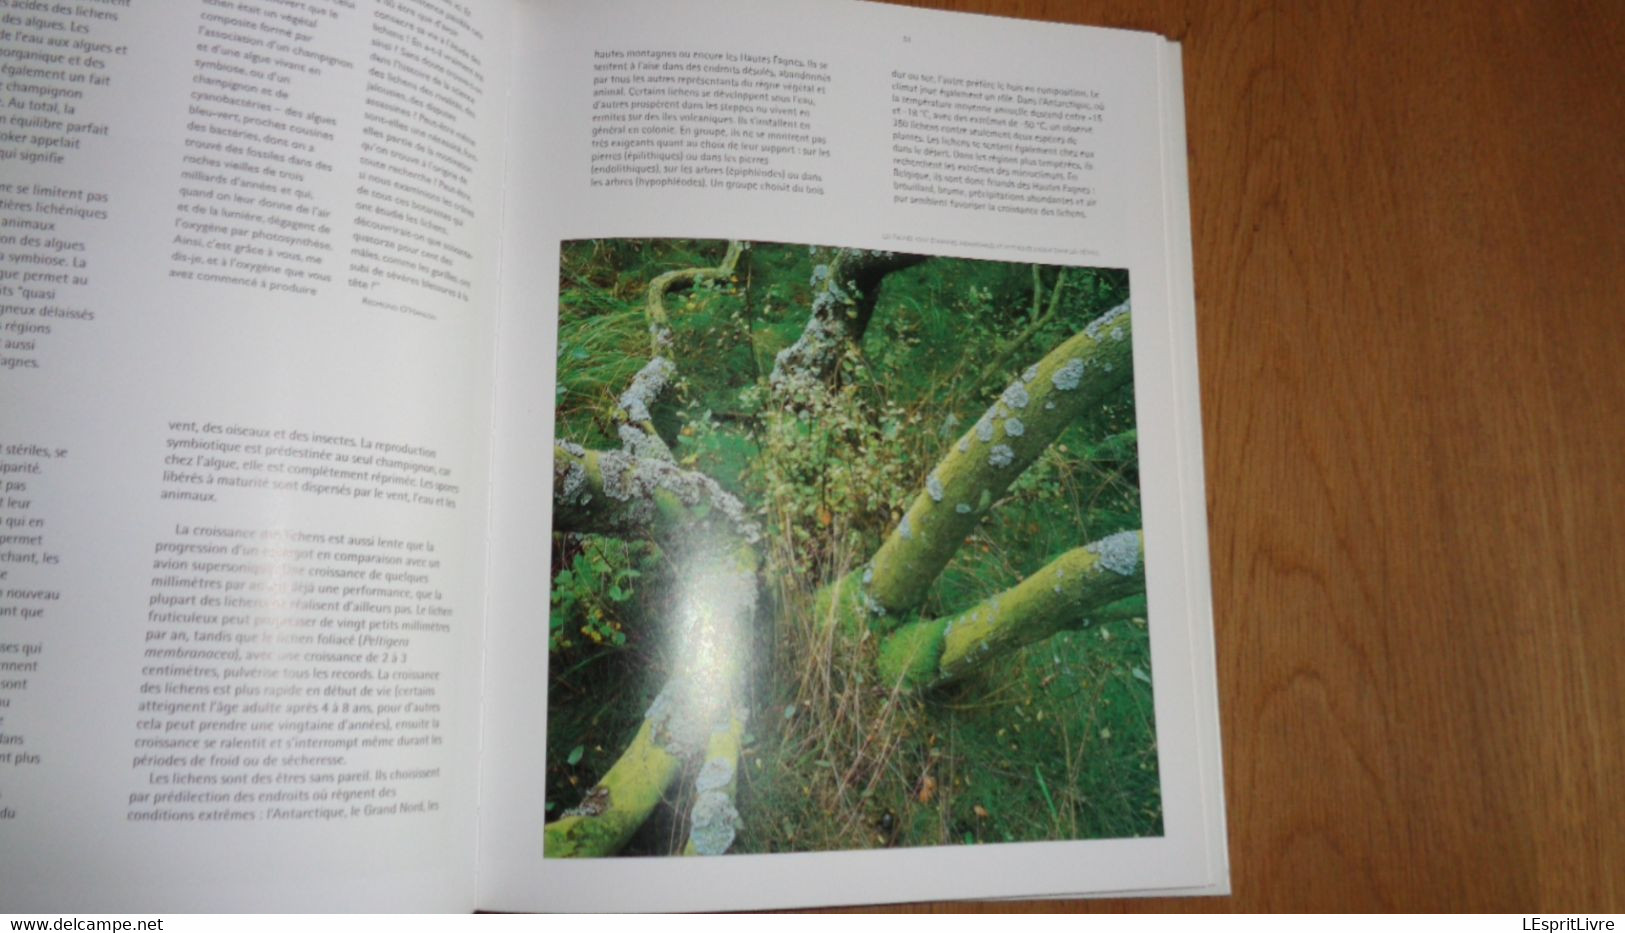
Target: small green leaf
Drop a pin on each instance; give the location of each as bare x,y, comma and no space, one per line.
575,755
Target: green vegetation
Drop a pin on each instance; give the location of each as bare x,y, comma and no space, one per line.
874,449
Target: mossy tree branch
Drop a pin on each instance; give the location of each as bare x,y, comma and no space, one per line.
615,493
654,304
844,294
977,470
714,820
638,434
685,720
618,804
1064,594
702,704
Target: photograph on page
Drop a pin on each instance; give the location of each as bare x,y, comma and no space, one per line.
846,554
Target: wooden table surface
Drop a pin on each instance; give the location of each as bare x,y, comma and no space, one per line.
1409,226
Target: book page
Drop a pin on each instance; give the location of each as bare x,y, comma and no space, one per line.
249,266
855,344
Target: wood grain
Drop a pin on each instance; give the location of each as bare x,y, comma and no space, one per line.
1409,225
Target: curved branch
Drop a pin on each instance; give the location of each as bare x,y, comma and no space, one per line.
844,295
654,306
634,406
618,804
614,492
635,403
1062,595
1030,414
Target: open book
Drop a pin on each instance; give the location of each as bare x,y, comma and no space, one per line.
546,455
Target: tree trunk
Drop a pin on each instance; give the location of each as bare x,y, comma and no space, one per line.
844,294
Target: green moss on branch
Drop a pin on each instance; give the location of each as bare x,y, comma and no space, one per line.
1060,596
910,657
714,818
612,492
844,295
977,470
618,804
